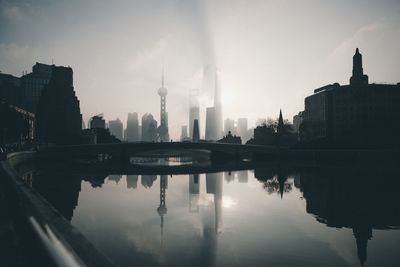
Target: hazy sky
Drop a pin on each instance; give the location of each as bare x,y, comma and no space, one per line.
270,54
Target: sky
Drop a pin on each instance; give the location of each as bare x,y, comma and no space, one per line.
269,55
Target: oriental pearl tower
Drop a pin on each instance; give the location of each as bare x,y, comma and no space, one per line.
163,135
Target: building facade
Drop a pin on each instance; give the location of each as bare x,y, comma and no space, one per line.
97,122
116,128
10,90
211,122
184,133
297,120
149,128
33,83
58,113
358,113
132,128
229,126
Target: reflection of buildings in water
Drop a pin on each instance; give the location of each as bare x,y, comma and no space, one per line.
214,182
296,180
353,200
60,189
275,180
115,177
229,176
194,193
243,176
147,180
131,181
96,181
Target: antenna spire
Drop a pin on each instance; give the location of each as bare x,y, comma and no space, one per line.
162,76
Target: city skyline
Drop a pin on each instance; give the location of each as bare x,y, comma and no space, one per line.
259,67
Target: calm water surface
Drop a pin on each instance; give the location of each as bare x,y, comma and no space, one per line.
270,216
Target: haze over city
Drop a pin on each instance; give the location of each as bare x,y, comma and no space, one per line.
270,54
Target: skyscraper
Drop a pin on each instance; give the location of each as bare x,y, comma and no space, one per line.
218,108
196,132
116,128
242,129
162,130
194,110
132,128
214,115
33,84
184,133
97,122
229,126
149,128
58,117
211,122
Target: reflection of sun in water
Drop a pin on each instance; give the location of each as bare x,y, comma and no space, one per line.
228,202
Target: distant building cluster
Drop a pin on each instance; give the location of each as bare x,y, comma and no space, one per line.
359,113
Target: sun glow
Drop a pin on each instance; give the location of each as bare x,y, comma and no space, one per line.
228,98
228,202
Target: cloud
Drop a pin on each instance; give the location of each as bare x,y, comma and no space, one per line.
11,13
11,56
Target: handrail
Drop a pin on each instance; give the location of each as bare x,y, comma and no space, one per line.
61,255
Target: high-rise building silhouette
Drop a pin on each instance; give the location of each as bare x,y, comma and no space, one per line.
97,122
218,107
196,131
58,117
229,126
214,115
33,84
132,128
242,129
116,128
194,110
184,131
211,124
149,128
162,130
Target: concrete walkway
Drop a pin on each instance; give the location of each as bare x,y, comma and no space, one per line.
11,253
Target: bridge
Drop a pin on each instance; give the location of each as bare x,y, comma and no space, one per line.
125,150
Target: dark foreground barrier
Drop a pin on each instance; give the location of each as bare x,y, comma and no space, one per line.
48,238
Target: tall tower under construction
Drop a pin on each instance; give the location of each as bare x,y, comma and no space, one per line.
163,135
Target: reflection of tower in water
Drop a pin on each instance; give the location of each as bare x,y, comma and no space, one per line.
162,209
194,193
